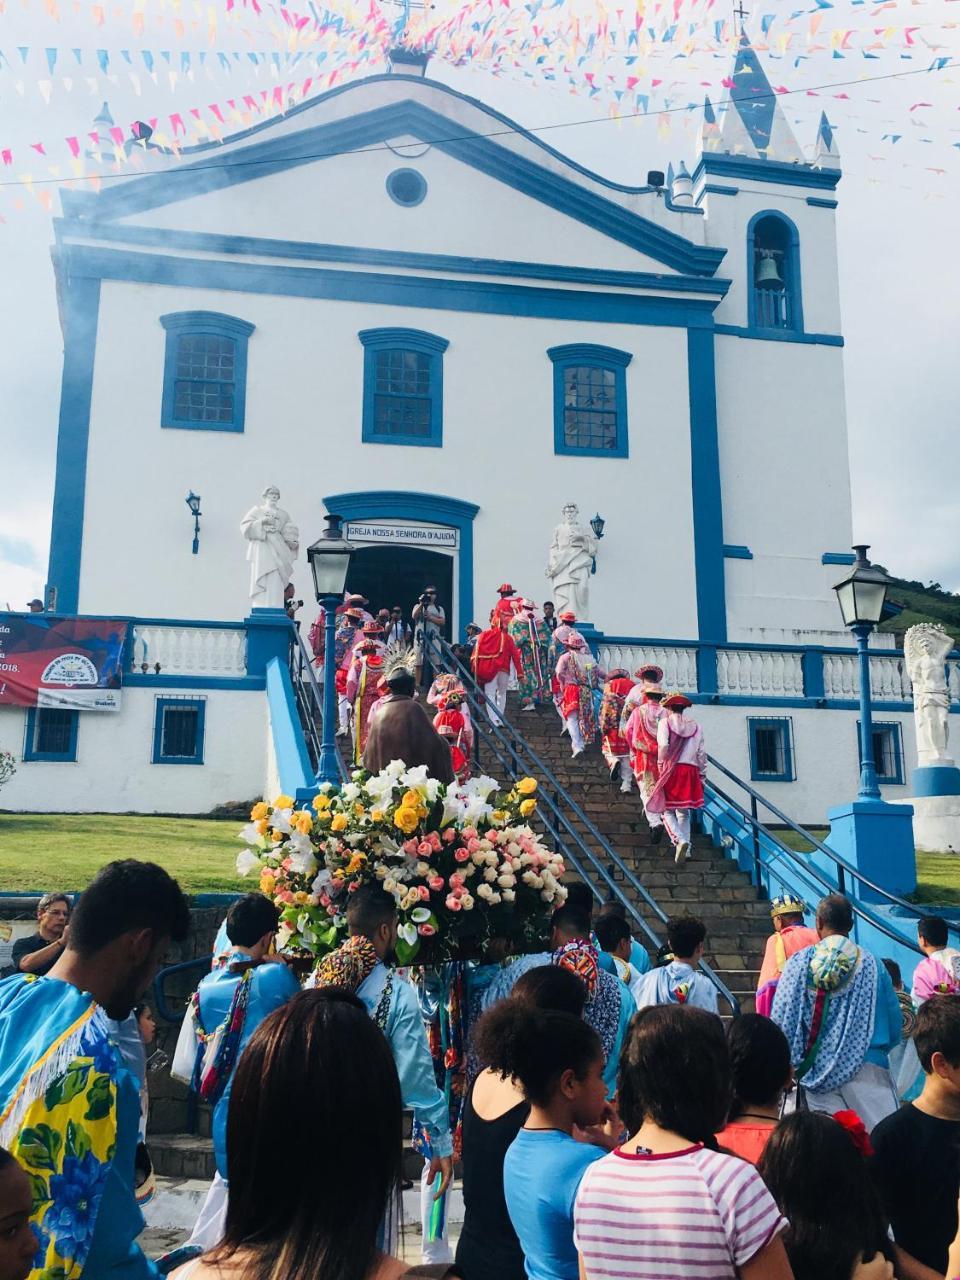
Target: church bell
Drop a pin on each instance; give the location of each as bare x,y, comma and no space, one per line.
768,273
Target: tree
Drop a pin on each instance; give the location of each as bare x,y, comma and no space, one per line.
8,766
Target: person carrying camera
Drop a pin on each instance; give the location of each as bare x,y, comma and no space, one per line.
429,620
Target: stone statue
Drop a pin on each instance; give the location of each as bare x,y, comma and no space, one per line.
925,648
273,541
571,561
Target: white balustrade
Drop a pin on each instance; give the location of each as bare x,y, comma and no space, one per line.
841,676
760,673
953,680
679,664
888,678
190,651
889,681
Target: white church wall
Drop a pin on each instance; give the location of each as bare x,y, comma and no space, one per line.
303,432
113,772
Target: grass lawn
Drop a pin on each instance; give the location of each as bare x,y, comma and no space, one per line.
938,874
64,851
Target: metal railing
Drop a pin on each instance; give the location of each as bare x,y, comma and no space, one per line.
309,697
585,849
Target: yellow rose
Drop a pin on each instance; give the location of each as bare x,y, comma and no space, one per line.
276,836
321,801
303,823
527,807
499,815
324,816
259,811
261,827
406,819
527,786
411,800
359,810
340,822
267,883
283,802
376,815
301,898
356,863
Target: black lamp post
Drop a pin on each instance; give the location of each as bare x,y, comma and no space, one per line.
862,595
597,524
193,502
329,559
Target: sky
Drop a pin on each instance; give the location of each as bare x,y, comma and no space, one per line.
896,120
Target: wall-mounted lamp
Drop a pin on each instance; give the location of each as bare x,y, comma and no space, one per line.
193,502
597,525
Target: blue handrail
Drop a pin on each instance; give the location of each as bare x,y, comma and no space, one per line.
159,993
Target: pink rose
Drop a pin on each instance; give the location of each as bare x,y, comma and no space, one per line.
453,904
285,864
461,855
426,930
457,881
325,900
449,835
424,848
353,886
286,896
433,837
470,833
410,847
436,883
473,844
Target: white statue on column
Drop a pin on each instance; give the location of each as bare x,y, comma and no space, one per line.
273,541
571,562
925,648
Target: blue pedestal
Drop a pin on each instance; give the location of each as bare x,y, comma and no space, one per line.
936,780
268,636
877,839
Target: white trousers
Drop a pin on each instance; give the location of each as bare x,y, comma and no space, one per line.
496,691
870,1094
573,728
677,822
209,1227
343,705
646,783
438,1250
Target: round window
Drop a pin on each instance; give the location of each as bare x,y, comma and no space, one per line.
406,186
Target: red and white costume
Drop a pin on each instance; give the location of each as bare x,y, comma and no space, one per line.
641,736
508,603
494,656
555,650
613,743
453,721
578,676
364,675
682,760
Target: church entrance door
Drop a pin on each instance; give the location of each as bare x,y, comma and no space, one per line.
392,574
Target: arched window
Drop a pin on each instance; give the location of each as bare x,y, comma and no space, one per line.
402,387
205,371
773,264
590,400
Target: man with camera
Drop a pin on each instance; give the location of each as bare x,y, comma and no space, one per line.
429,620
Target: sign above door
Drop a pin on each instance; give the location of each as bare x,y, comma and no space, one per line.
411,535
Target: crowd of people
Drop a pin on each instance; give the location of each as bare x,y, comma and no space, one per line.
609,1125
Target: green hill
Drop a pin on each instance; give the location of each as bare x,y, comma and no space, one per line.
923,604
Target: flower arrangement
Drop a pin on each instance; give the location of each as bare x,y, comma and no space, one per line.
8,766
462,861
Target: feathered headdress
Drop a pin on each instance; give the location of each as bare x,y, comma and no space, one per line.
399,661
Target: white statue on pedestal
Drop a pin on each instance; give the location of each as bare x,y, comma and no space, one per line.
273,541
571,561
925,648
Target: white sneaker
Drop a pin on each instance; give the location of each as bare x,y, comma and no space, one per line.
577,751
683,851
625,787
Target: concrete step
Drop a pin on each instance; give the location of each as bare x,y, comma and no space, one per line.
182,1155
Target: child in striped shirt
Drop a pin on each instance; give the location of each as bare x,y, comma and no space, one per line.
664,1204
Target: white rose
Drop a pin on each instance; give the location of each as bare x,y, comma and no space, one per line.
350,792
509,895
492,859
490,874
494,898
484,891
467,902
478,858
422,868
506,881
547,895
247,861
529,878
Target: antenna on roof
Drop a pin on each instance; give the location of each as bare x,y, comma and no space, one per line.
740,13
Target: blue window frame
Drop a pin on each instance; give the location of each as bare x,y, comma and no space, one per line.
775,299
178,731
590,400
205,371
771,749
403,387
51,734
887,751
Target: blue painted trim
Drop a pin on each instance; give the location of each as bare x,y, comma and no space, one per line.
706,497
894,728
134,680
289,746
816,203
182,324
392,339
811,662
713,189
735,552
584,354
222,169
933,781
719,164
197,704
403,291
392,179
838,557
269,635
780,335
785,725
707,671
307,251
793,278
31,755
397,504
80,311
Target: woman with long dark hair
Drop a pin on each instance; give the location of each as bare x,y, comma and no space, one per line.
761,1073
314,1143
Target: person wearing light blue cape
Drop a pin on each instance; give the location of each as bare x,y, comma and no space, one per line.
679,981
837,1007
229,1005
69,1105
363,965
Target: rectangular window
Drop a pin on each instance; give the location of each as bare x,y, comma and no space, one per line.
771,749
589,408
887,752
203,390
402,401
51,734
178,731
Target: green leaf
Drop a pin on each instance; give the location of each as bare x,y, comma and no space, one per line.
53,1273
98,1099
78,1141
38,1190
67,1086
406,951
39,1147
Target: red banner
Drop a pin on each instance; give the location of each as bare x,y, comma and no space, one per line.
60,662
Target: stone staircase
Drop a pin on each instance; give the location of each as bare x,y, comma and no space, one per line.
707,885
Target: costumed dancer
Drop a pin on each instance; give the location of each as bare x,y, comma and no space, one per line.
453,725
366,670
649,677
640,732
494,656
532,640
555,651
578,676
401,729
441,686
506,606
790,936
613,742
682,761
347,635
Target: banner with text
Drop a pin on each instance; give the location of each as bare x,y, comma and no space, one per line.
60,662
408,535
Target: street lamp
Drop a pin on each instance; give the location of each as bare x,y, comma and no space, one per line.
329,559
596,524
862,595
193,502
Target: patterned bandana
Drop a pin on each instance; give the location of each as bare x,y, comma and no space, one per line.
832,963
580,958
349,966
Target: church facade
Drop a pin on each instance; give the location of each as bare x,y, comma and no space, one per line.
396,305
